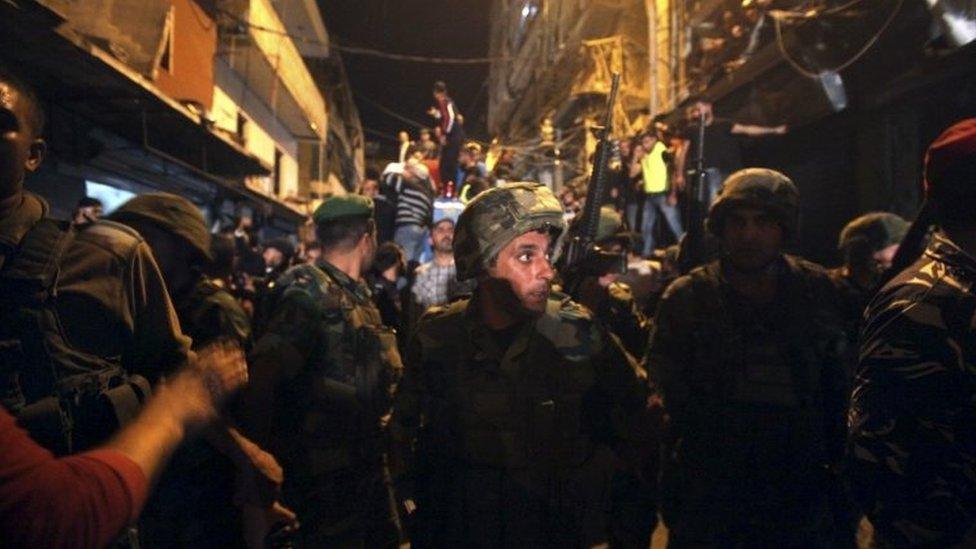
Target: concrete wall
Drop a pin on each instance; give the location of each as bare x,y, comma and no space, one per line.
193,48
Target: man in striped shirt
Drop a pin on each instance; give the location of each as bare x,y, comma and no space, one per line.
415,207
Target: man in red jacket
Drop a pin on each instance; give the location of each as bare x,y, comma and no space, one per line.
84,500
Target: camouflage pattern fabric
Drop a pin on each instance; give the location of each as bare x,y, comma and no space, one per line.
507,445
616,308
497,216
912,420
756,395
322,382
209,314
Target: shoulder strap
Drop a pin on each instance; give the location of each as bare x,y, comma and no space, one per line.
37,259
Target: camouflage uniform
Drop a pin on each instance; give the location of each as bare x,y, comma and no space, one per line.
756,395
322,381
192,504
912,418
614,305
90,305
859,240
504,436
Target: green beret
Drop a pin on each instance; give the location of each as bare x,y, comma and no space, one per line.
171,213
877,230
346,205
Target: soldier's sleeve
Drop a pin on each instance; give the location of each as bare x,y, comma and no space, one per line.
408,411
670,354
280,354
626,321
222,318
913,476
836,369
158,345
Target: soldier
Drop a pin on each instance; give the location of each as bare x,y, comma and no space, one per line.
194,502
868,244
323,377
610,300
748,352
85,321
913,408
505,417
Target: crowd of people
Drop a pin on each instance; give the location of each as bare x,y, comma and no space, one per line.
454,382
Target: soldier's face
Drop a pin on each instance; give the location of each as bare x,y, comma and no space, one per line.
21,151
526,266
885,257
753,239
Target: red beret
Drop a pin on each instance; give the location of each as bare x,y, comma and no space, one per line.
954,145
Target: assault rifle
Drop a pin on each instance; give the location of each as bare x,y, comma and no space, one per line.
583,257
692,247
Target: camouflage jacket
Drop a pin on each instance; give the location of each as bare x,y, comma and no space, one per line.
323,373
616,308
912,421
509,432
736,376
208,313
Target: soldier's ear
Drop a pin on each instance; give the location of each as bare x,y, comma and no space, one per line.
38,148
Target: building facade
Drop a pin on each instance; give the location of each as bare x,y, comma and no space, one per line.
210,99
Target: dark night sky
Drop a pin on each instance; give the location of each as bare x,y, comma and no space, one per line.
435,28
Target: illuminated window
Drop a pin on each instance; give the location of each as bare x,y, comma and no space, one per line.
111,197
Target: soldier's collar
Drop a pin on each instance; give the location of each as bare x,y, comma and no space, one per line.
358,288
17,222
944,250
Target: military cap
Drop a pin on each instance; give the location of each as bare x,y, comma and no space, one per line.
497,216
877,230
760,188
171,213
347,205
956,147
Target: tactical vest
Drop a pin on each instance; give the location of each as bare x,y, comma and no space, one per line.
350,377
721,354
66,398
526,412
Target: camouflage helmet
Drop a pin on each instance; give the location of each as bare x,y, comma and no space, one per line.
610,226
171,213
495,217
877,230
759,188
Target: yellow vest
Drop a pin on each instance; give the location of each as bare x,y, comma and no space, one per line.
655,170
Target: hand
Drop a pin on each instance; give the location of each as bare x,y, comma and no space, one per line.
672,199
434,112
443,139
679,183
781,129
259,476
202,386
222,367
260,522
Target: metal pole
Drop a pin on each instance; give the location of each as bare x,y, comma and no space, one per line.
650,6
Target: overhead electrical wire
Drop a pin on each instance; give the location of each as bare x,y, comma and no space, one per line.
356,50
855,58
